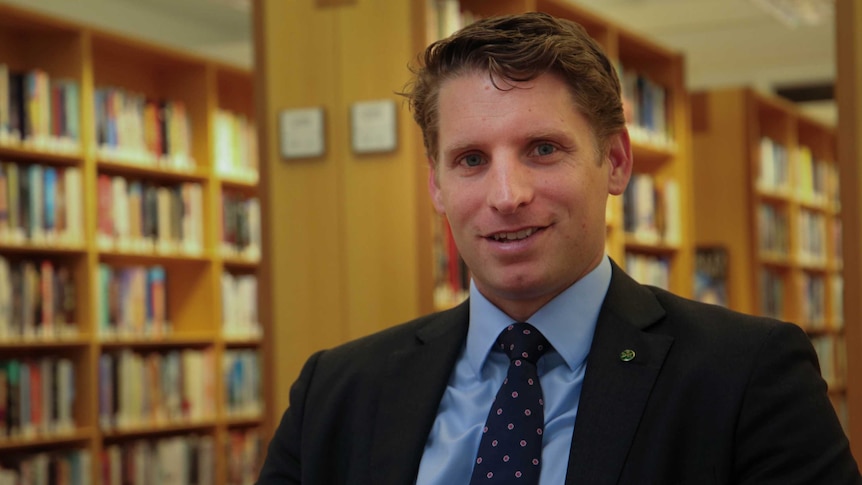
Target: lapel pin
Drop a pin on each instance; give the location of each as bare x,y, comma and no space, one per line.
627,355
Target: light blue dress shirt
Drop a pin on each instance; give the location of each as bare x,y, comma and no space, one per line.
568,322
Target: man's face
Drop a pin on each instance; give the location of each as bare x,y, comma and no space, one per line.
524,189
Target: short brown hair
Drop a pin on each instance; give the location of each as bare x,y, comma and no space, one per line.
517,48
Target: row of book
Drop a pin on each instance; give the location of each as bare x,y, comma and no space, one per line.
235,146
39,111
797,173
142,216
134,128
451,275
773,173
646,106
811,232
241,226
819,298
176,460
37,397
40,204
651,210
812,300
821,301
818,179
242,383
244,452
649,270
44,113
72,467
239,306
773,231
37,299
138,389
133,301
771,294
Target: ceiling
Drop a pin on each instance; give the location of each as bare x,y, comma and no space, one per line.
735,42
725,42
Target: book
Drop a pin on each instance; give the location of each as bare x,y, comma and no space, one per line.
18,123
73,191
49,202
13,408
4,100
107,401
4,400
16,229
65,395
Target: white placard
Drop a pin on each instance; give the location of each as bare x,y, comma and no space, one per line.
301,133
373,126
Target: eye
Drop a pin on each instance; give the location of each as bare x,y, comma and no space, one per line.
472,160
543,149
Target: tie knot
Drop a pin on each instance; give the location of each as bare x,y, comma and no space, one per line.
523,341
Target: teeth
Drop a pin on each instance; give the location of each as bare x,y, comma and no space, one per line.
513,236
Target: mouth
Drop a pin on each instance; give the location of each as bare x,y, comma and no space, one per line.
514,235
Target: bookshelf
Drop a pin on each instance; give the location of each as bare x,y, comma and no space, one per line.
766,185
649,233
130,236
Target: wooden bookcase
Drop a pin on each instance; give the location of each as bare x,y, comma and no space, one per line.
766,190
651,237
208,257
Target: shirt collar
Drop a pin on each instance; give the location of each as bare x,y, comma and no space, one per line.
568,321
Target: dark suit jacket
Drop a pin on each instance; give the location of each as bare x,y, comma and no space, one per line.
711,397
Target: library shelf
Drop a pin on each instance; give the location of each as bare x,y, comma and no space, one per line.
107,118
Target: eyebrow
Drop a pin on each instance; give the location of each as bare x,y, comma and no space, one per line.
458,147
529,136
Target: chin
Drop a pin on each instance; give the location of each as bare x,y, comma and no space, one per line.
522,290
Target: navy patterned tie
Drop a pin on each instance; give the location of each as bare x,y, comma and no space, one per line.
511,446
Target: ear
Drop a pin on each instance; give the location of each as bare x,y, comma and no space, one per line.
434,188
620,159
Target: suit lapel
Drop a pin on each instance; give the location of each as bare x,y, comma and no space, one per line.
616,390
413,385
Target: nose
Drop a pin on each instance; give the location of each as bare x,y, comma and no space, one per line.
510,185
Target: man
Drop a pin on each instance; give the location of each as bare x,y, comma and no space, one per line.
628,384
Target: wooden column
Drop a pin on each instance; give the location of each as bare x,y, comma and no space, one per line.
340,231
848,18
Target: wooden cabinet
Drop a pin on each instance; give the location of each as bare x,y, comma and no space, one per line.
129,252
766,190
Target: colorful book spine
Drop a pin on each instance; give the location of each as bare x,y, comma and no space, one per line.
37,397
139,389
133,301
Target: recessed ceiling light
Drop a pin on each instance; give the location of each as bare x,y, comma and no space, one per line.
241,5
794,13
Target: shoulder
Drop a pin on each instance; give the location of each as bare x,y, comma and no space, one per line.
723,335
712,317
658,311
